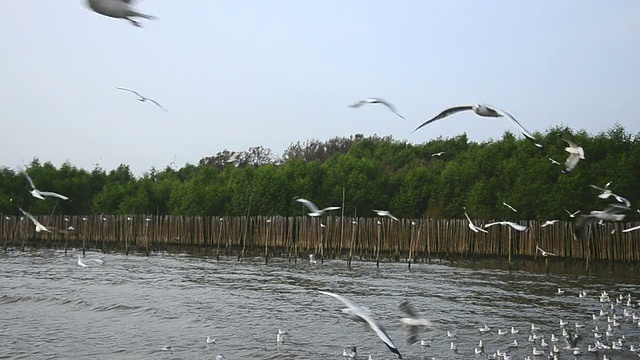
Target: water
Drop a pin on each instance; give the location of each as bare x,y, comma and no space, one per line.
134,307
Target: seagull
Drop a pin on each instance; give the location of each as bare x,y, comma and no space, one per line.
312,259
554,162
606,193
363,315
386,213
575,154
509,206
613,212
412,322
142,98
549,222
39,227
210,340
632,229
351,354
80,262
314,209
572,214
473,227
374,100
119,9
438,154
41,194
484,111
233,157
544,253
512,224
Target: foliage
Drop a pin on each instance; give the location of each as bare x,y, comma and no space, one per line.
374,172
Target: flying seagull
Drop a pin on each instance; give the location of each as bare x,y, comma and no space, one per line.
509,206
142,98
554,162
360,314
549,222
544,253
314,211
39,227
412,322
386,213
374,100
572,214
612,212
472,226
512,224
575,154
484,111
606,193
233,157
438,154
119,9
41,194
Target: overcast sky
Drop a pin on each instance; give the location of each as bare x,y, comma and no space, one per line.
238,73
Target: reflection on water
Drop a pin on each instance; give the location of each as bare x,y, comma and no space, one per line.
164,307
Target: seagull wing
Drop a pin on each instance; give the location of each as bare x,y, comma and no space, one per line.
329,208
444,114
160,106
30,181
632,229
379,330
52,194
391,107
358,104
516,226
311,206
571,162
491,224
406,308
525,132
131,91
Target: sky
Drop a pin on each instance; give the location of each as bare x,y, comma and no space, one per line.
235,74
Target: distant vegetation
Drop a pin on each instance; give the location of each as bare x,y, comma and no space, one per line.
376,172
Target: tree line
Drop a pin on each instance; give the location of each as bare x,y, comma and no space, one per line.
375,173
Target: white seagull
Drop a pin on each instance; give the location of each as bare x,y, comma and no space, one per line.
606,193
312,259
119,9
143,98
472,226
549,222
41,194
233,157
374,100
80,262
575,154
509,206
362,315
314,211
412,322
572,214
512,224
386,213
484,111
438,154
83,264
554,162
39,227
544,253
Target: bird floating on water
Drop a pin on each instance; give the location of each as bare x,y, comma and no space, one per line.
360,314
484,111
375,100
41,194
119,9
143,98
314,211
312,259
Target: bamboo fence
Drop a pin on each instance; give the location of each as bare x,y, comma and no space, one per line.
331,237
